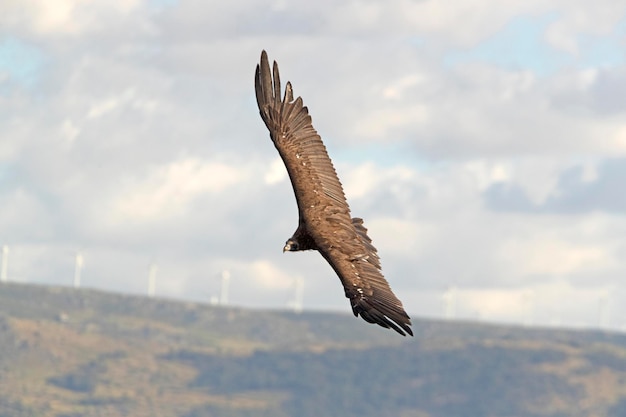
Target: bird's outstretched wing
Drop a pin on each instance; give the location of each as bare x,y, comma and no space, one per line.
322,206
310,169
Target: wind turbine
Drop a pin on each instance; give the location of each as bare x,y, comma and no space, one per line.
152,272
555,320
78,267
604,311
449,302
5,263
298,295
224,290
528,299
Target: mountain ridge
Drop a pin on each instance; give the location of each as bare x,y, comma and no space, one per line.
70,352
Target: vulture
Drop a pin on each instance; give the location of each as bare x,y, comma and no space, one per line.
325,223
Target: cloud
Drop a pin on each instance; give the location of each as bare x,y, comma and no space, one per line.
270,277
581,188
537,304
519,45
565,33
276,173
66,17
546,255
170,189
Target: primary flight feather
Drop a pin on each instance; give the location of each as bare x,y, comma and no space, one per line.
324,222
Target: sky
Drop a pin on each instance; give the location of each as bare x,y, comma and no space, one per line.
483,142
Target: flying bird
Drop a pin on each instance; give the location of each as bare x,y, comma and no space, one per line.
325,223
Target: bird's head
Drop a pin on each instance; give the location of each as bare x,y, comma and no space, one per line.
291,246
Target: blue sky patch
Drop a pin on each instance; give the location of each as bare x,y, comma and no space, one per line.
604,51
163,3
386,154
23,62
519,45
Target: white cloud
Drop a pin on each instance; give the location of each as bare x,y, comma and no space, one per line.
366,178
397,88
268,276
620,137
69,130
103,107
127,98
547,304
276,173
169,189
543,255
502,304
487,172
583,19
72,17
403,238
19,210
384,122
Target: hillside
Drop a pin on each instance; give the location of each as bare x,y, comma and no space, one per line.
70,353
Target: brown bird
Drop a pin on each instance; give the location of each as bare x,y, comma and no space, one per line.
325,223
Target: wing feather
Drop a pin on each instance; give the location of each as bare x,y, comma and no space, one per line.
322,204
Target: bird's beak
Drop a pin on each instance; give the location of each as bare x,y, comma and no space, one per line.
284,249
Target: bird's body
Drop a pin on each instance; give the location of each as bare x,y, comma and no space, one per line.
325,223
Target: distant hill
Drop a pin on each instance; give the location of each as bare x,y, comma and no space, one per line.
70,353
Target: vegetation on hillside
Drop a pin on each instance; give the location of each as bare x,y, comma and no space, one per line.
67,353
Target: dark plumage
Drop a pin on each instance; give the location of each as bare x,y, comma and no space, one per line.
325,223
